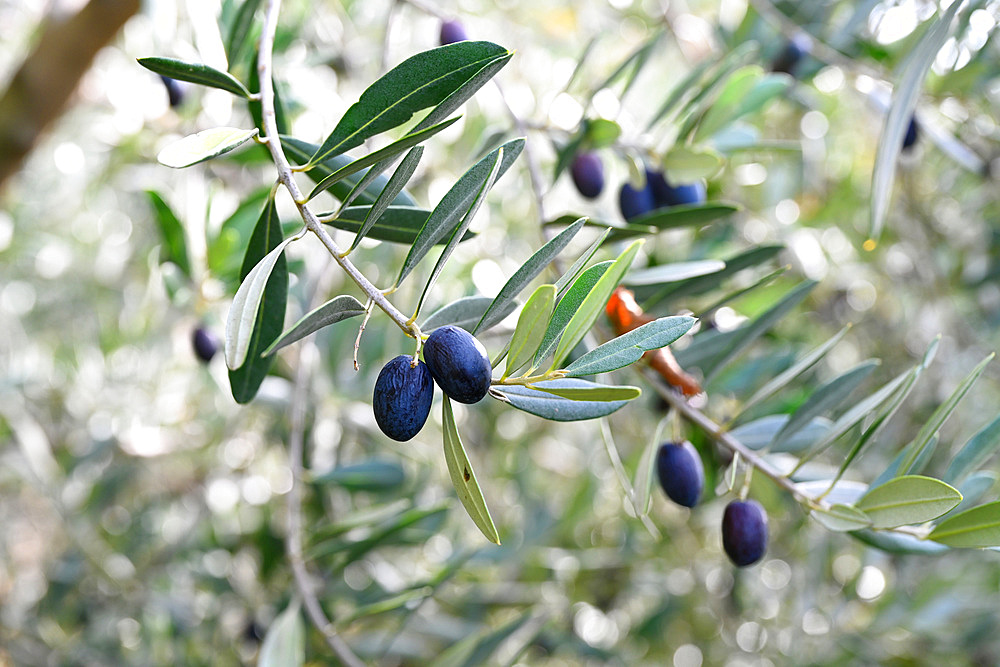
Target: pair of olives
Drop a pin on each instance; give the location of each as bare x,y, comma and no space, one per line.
404,389
744,522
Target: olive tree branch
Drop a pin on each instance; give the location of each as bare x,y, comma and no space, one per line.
718,433
286,178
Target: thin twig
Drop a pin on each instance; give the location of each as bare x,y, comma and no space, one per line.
287,179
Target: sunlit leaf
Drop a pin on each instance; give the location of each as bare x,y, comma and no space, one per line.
978,527
629,348
597,392
578,267
593,304
530,328
555,408
285,642
672,273
195,73
525,274
251,328
841,518
421,81
567,307
746,92
912,499
687,164
205,145
465,313
336,309
397,224
463,477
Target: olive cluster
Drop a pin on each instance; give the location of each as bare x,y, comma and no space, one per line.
587,172
404,389
744,523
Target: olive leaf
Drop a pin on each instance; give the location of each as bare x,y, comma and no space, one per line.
463,477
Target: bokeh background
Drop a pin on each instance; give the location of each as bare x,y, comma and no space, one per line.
142,511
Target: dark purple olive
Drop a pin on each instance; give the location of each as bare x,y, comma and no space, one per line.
175,91
402,397
635,202
459,364
588,174
205,344
665,194
744,532
912,134
681,472
790,57
451,32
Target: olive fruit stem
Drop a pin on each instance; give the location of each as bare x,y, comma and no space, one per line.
313,223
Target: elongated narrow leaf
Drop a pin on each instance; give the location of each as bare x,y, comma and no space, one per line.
841,518
172,230
205,145
460,229
390,151
242,320
975,452
892,470
629,348
930,428
239,30
898,543
635,60
299,152
749,333
759,433
285,642
364,476
463,477
863,408
419,82
567,307
391,190
397,224
687,164
547,405
598,392
567,279
525,274
448,214
195,73
464,313
593,304
530,328
977,528
672,273
826,398
336,309
835,492
651,296
686,215
644,471
898,119
975,486
477,649
778,382
739,99
912,499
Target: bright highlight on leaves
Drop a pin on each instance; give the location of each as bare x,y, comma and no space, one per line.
908,500
629,348
205,145
977,528
530,328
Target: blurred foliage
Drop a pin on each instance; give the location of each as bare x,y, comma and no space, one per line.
143,512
